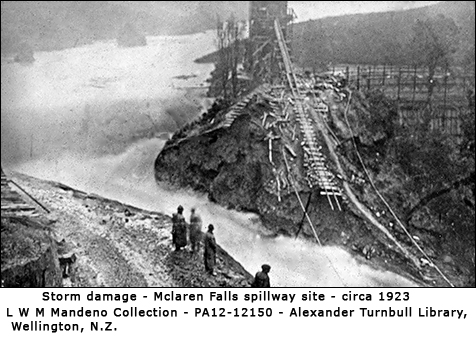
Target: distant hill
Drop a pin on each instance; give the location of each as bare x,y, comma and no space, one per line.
51,25
374,38
186,17
129,37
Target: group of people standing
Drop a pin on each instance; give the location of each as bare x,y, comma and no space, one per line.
180,229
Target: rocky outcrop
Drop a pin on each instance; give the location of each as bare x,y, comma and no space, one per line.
29,254
236,155
28,251
237,168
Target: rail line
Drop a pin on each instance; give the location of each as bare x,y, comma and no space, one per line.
314,161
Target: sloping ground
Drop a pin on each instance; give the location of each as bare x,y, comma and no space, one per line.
29,254
237,156
443,226
376,38
28,251
121,246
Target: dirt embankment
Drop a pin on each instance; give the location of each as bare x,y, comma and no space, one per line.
228,154
121,246
29,254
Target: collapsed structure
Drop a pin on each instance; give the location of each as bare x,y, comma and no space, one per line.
275,151
290,113
286,116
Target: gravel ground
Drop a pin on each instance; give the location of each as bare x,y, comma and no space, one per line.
122,246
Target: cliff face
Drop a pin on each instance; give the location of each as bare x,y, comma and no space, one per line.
250,156
226,163
233,166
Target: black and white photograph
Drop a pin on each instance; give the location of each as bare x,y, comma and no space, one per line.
238,144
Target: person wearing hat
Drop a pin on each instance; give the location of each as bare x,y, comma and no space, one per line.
262,279
195,231
210,251
179,229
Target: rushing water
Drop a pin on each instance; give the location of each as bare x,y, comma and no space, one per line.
74,116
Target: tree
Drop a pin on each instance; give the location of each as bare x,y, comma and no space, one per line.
317,52
221,65
468,47
235,57
229,36
392,52
433,43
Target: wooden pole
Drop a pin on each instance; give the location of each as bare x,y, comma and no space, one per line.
414,85
34,199
446,88
358,77
368,78
304,214
299,199
398,83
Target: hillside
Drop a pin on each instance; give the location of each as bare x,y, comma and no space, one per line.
250,156
115,245
53,25
375,38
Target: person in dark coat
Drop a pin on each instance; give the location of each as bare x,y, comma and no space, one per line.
262,279
179,229
195,231
210,251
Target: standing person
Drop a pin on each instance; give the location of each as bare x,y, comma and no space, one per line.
210,251
179,229
262,279
195,231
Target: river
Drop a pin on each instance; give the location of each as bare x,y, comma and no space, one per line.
95,118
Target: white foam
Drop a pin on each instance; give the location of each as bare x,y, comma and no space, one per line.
128,177
44,105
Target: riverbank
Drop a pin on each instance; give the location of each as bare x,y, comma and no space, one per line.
118,245
250,156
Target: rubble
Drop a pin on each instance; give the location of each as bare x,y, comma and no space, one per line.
99,242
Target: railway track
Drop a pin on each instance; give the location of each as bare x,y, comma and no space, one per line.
314,161
14,204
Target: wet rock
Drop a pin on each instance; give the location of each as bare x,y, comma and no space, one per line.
448,259
28,254
368,251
